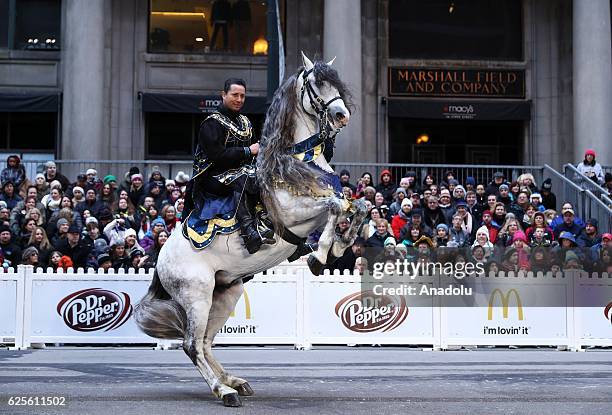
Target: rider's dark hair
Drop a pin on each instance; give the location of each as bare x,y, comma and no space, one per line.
233,81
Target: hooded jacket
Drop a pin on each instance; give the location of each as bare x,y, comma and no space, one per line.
388,189
15,174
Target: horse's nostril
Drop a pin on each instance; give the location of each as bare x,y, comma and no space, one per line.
339,116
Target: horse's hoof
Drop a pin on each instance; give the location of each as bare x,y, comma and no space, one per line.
244,389
315,265
232,400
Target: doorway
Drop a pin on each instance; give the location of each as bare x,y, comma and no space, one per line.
425,141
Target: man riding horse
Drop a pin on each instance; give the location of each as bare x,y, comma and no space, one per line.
224,175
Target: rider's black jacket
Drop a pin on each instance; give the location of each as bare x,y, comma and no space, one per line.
222,149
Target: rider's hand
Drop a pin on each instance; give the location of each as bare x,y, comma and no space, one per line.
254,148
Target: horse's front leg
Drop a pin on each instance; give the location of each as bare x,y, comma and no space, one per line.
318,259
347,239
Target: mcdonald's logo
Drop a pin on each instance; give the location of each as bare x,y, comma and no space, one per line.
247,307
505,300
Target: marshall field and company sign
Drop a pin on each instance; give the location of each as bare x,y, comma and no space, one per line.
481,83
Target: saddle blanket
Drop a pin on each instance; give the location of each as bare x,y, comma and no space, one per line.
217,215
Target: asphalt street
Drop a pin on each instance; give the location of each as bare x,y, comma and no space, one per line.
360,380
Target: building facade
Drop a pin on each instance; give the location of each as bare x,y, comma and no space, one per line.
437,81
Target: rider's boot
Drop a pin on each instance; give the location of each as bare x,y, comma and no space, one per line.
253,240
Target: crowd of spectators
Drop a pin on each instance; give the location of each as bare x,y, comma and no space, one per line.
503,225
121,223
51,221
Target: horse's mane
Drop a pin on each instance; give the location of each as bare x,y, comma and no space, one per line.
275,164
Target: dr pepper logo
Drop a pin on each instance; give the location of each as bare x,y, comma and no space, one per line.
364,312
95,309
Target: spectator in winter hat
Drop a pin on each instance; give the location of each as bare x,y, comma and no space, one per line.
399,195
504,195
549,200
589,236
470,184
458,193
41,185
90,203
345,177
597,250
12,252
482,239
156,175
157,225
441,237
52,174
14,172
433,215
137,189
104,261
386,186
78,195
399,220
9,195
127,181
527,180
590,168
181,179
74,247
493,187
446,205
536,200
170,185
110,179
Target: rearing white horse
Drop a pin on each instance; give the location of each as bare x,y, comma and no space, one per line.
193,292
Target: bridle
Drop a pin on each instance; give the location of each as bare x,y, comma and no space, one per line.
316,102
310,148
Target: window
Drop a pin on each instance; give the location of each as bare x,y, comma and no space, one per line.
32,131
4,23
170,135
208,26
37,24
455,29
175,136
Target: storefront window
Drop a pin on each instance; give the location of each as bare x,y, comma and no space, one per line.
28,131
4,20
455,29
175,136
208,26
37,24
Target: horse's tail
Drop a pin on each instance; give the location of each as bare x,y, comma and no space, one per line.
158,315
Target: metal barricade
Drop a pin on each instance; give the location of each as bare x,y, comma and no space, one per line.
587,204
481,173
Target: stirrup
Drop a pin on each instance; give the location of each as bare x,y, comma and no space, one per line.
301,250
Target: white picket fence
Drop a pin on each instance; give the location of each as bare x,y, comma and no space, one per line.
288,305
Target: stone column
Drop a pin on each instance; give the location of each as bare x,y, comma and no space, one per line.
342,38
83,103
592,82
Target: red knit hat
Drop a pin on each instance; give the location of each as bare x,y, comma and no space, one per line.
589,151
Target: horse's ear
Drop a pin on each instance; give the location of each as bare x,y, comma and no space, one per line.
331,62
308,65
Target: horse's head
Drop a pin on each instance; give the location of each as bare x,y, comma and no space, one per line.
323,93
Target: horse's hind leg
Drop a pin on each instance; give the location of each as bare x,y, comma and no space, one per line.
197,305
224,302
318,259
